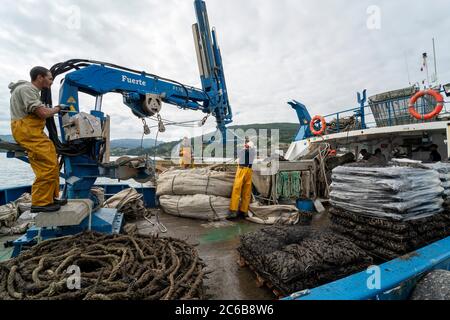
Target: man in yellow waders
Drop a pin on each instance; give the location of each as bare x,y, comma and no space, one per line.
28,115
186,158
242,188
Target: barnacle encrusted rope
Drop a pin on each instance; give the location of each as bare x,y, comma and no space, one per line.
111,267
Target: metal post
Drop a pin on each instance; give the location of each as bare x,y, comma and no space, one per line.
337,123
435,63
448,141
98,102
389,113
362,101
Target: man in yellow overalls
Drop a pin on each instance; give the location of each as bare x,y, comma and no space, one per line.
28,117
242,188
186,158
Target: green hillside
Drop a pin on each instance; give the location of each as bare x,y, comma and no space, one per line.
287,132
120,147
7,138
133,143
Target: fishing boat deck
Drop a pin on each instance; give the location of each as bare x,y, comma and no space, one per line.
216,243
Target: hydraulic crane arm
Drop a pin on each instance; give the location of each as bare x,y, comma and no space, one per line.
210,64
142,92
97,80
85,136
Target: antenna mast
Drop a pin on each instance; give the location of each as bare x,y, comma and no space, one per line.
407,68
425,68
435,78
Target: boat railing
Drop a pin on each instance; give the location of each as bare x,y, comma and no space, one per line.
149,192
382,113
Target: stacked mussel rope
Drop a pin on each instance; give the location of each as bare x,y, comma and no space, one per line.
295,258
389,210
386,239
110,267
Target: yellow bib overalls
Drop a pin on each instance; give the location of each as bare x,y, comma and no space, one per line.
29,133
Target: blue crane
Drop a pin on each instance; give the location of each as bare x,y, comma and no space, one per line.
83,139
304,118
143,93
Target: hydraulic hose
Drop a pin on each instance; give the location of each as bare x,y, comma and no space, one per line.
70,149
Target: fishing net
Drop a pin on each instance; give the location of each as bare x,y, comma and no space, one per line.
289,185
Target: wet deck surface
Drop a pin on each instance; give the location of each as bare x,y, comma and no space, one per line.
5,253
216,243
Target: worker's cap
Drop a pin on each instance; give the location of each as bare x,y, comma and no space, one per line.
249,145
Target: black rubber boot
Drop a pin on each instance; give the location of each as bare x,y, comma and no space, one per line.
61,202
242,215
48,208
232,215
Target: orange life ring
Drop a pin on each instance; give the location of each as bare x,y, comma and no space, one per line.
434,113
323,125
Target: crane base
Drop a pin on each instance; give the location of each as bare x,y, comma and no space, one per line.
104,220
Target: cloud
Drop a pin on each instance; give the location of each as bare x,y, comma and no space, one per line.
320,53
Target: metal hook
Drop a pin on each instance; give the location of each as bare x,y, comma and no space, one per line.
146,128
161,126
203,121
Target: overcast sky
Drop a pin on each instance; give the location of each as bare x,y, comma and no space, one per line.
317,52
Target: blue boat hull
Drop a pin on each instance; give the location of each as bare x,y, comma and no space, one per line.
396,278
104,220
11,194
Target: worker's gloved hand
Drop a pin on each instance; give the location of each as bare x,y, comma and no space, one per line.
64,108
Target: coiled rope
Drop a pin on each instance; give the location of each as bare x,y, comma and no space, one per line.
112,267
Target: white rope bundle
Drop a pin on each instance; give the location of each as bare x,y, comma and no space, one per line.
199,206
195,181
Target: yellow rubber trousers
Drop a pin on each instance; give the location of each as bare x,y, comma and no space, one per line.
29,133
186,160
242,190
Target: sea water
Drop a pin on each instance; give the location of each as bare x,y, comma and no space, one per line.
15,173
